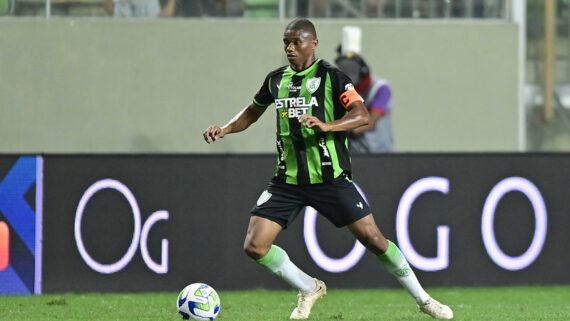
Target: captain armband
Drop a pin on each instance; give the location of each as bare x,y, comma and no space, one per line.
348,97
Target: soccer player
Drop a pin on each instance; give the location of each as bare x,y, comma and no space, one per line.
316,105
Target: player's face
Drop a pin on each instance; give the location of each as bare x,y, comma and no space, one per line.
300,47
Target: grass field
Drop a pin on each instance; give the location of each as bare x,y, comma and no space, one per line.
504,303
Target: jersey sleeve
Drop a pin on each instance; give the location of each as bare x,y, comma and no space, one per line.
263,97
345,90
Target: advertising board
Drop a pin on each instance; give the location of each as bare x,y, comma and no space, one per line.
122,223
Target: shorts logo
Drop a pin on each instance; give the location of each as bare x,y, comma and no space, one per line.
313,84
264,197
359,204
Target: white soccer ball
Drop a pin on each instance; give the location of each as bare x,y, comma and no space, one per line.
198,301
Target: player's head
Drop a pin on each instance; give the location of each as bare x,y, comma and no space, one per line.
300,41
353,66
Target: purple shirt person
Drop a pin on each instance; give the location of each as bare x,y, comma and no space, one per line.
376,137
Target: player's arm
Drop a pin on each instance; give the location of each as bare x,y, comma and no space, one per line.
240,122
375,116
357,116
378,108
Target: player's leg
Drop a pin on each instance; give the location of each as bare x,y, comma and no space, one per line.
276,208
259,246
368,233
261,232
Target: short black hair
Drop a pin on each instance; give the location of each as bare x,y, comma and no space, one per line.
302,24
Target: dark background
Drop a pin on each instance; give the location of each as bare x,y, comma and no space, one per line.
209,197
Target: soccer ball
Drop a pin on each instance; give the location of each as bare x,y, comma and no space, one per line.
198,301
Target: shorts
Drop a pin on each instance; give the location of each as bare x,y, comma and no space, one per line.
339,202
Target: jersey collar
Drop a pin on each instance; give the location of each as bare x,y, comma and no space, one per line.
304,71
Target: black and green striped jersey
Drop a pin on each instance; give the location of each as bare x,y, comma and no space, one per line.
306,156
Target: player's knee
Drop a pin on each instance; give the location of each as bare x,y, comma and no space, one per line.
375,242
254,251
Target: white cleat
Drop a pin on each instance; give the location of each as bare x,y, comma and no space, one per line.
436,309
307,300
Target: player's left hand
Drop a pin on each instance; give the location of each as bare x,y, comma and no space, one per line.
313,123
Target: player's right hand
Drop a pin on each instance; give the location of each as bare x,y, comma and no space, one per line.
213,133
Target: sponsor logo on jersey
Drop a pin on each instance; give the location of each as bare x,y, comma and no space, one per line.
281,149
293,89
323,145
295,106
313,84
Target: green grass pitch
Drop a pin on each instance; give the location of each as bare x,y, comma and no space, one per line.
500,303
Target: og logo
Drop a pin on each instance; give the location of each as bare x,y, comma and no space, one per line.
138,235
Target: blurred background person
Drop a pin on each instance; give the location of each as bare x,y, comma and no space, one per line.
210,8
140,8
376,137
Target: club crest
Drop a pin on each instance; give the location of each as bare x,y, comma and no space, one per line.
313,84
264,197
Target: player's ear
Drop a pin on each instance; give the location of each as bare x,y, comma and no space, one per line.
315,43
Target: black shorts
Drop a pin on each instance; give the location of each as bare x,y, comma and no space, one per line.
340,202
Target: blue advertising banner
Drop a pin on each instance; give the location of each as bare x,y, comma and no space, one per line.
20,224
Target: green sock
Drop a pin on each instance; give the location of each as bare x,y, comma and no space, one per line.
273,259
277,262
395,263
